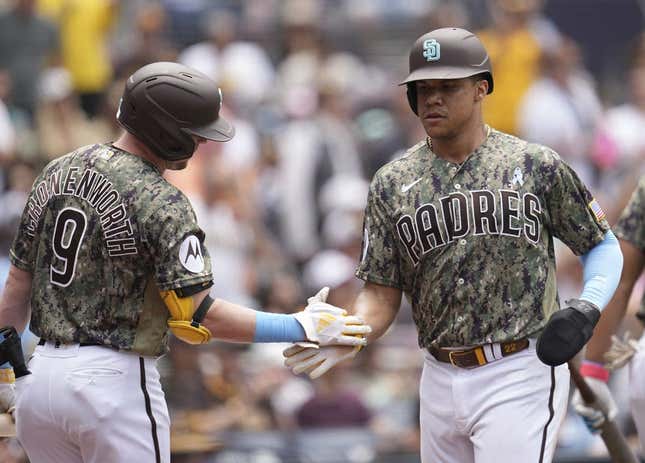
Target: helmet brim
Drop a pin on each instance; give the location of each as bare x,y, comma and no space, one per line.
441,72
220,130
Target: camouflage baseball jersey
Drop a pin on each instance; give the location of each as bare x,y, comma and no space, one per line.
102,233
631,225
471,245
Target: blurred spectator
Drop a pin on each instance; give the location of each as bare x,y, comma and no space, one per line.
380,134
561,109
342,201
204,55
448,14
334,269
150,43
624,125
27,41
279,289
333,404
85,27
184,17
242,68
62,125
514,45
314,147
7,131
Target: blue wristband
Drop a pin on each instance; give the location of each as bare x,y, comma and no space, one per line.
277,327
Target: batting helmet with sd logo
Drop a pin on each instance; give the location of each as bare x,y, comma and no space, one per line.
165,104
447,53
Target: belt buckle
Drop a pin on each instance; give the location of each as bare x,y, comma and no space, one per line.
477,351
456,354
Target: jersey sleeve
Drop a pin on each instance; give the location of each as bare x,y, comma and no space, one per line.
380,261
631,224
25,244
575,216
176,243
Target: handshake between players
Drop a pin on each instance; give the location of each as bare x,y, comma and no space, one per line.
340,337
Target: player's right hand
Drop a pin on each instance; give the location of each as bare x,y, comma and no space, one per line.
325,324
621,351
316,362
594,415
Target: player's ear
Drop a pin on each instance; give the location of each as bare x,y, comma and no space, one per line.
481,89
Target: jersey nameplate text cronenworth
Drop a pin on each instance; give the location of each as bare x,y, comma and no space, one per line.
99,192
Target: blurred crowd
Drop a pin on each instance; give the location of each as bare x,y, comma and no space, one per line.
311,87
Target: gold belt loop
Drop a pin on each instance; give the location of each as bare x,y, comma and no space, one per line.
481,357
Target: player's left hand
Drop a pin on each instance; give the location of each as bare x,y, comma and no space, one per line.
325,324
566,332
316,362
594,415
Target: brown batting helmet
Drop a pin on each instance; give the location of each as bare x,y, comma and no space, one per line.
165,104
447,53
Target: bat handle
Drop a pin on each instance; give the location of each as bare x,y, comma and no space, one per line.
619,450
585,391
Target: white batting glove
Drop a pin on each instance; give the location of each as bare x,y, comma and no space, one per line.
603,408
325,324
620,352
316,361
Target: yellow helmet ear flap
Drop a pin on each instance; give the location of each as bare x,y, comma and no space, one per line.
188,332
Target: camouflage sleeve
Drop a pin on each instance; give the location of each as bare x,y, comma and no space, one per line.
575,217
23,250
379,258
177,245
631,224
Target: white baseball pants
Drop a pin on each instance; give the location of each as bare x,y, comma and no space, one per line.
506,411
637,390
92,404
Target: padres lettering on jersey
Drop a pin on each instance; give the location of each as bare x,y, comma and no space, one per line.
471,245
474,212
103,233
101,195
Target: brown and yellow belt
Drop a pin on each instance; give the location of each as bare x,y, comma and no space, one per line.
480,355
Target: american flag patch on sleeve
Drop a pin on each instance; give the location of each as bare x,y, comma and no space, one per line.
597,210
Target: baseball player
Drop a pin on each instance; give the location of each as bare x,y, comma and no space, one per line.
630,230
108,258
463,224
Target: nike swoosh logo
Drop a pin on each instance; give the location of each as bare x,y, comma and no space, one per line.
405,188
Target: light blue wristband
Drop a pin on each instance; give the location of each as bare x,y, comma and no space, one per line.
277,327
